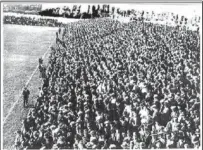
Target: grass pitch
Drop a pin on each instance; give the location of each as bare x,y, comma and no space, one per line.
23,45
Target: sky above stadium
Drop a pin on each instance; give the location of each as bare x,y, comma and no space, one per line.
182,9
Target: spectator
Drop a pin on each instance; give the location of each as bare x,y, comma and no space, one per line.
26,94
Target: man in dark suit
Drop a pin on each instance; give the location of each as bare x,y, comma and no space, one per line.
26,94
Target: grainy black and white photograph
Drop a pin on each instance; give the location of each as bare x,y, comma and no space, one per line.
101,76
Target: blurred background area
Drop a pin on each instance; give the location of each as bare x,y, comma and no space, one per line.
171,14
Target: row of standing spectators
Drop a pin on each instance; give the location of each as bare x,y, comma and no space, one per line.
31,21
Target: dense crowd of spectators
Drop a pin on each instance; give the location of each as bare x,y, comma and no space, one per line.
32,21
109,85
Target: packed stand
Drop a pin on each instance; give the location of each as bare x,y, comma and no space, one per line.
32,21
136,87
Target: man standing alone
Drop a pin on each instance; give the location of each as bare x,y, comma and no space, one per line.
26,94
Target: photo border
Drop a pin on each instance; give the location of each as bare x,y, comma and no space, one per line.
181,2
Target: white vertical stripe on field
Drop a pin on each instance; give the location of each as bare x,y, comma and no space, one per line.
13,106
2,47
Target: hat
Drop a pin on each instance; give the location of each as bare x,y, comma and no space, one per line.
80,113
142,144
162,101
155,96
88,145
55,146
87,110
166,102
99,119
35,133
158,142
94,146
126,139
181,134
93,139
153,107
173,107
195,140
112,146
197,131
192,101
106,122
125,145
92,132
69,104
170,143
52,127
156,100
60,141
72,123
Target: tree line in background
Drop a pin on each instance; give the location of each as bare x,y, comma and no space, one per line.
94,11
97,11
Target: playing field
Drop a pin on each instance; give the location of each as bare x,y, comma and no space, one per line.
23,45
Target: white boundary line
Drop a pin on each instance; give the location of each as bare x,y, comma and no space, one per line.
1,13
201,82
13,106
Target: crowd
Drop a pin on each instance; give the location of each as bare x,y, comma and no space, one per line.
31,21
109,85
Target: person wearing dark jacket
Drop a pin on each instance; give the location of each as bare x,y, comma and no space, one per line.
26,94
